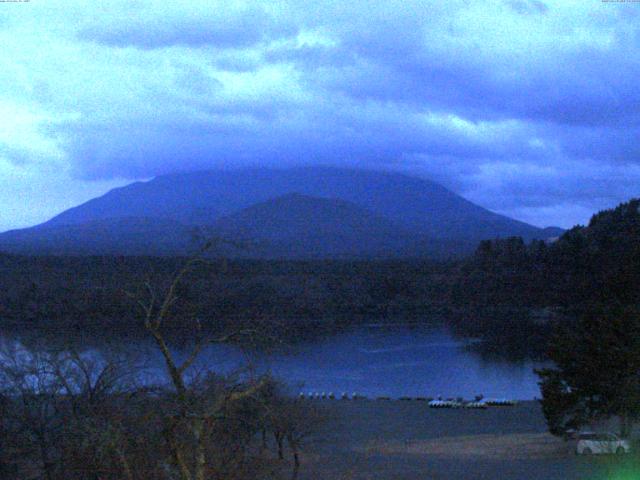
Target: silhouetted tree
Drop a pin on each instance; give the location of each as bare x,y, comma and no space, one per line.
597,361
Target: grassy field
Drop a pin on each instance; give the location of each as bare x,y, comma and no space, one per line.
407,440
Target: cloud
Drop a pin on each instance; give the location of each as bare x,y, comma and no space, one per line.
522,106
26,135
507,67
216,27
528,7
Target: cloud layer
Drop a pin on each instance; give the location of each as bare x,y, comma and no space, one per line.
528,108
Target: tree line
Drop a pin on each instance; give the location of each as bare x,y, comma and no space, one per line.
85,293
586,266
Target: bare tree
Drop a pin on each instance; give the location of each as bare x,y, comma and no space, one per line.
293,421
190,416
57,402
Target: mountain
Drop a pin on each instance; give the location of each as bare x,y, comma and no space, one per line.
553,232
333,210
202,197
296,225
111,236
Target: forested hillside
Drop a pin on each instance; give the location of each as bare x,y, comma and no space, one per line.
586,265
508,285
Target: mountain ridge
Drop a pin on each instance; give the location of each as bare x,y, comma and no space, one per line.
418,212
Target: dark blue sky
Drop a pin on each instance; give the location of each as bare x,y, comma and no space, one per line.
526,107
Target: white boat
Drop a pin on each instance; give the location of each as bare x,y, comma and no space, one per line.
444,404
479,404
500,402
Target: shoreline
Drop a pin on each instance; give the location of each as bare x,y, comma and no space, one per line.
407,440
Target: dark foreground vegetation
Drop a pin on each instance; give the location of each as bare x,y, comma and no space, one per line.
64,415
595,372
71,415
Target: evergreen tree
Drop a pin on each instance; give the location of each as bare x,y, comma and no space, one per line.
596,373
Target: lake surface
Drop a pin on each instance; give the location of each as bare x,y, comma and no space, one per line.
372,360
376,360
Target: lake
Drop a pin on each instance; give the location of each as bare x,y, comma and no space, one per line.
370,359
382,360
